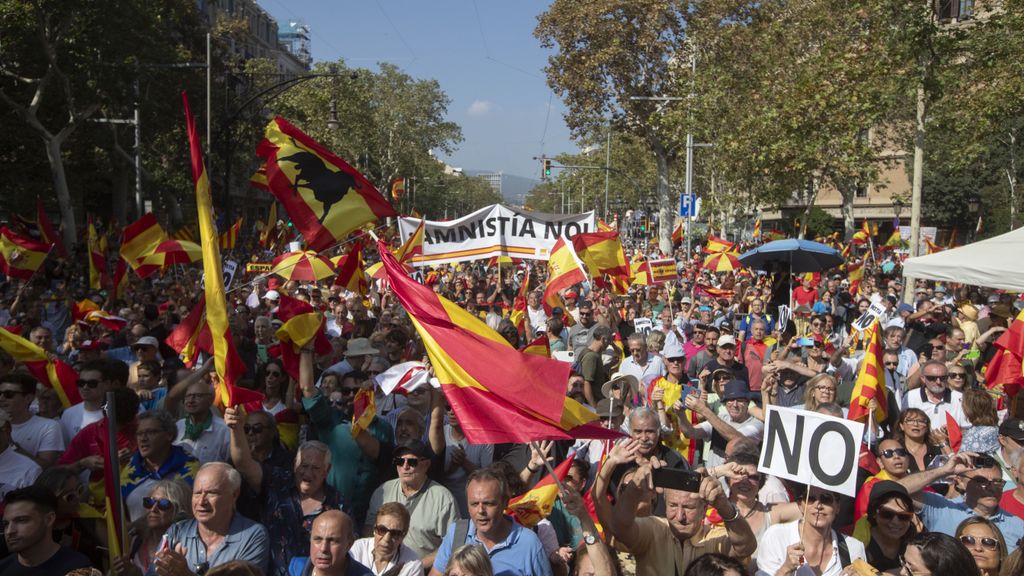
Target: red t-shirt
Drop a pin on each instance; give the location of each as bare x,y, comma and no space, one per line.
804,296
1011,504
92,441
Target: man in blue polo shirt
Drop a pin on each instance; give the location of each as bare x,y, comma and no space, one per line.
513,550
980,479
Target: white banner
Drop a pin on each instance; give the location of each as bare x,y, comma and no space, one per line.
812,448
494,231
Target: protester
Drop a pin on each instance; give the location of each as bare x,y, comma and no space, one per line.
34,436
29,516
156,458
168,502
18,469
385,551
938,553
985,542
330,540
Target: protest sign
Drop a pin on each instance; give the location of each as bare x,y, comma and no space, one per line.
260,267
874,311
643,326
811,448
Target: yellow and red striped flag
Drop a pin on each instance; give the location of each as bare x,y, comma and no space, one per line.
325,198
397,188
870,380
677,233
854,273
51,372
540,346
185,233
518,314
641,270
1006,369
413,245
716,244
523,401
364,408
564,270
301,325
120,278
757,230
603,254
603,226
229,239
20,257
98,277
663,270
351,273
191,334
138,240
48,232
228,364
269,226
536,504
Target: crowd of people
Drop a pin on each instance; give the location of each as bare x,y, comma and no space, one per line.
288,488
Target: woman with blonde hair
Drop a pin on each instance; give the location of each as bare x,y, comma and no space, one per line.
469,560
819,390
985,542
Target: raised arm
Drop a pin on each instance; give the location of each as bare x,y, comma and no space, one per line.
177,393
241,453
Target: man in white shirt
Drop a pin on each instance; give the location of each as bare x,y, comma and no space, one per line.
93,384
537,316
935,397
18,470
201,432
640,362
34,436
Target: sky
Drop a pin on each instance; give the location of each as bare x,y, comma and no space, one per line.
482,52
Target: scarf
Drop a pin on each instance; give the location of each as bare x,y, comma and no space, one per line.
194,431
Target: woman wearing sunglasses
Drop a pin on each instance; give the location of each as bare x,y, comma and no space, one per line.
891,518
985,542
168,502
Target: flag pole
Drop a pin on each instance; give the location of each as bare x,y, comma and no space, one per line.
117,502
547,464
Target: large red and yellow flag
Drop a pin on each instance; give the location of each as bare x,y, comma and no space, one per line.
756,234
98,277
870,382
518,314
138,240
413,245
48,232
20,257
229,238
191,335
602,252
863,235
301,325
855,274
228,364
536,504
564,270
716,244
324,196
351,274
364,408
641,270
120,281
523,401
51,372
539,346
1005,369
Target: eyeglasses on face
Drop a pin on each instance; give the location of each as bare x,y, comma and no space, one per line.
274,373
411,462
985,483
676,360
939,378
88,383
890,452
253,428
395,533
957,375
986,542
162,503
888,514
824,498
892,363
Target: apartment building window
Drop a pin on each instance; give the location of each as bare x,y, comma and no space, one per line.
954,10
861,192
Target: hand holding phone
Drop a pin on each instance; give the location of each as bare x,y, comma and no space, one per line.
675,479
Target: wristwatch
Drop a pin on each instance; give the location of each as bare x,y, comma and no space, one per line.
589,538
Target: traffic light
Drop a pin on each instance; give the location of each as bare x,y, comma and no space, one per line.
547,168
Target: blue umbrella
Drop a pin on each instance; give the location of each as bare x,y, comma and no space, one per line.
798,256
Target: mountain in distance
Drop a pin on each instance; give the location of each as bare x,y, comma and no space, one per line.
513,188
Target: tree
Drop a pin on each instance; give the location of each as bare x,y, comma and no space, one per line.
609,52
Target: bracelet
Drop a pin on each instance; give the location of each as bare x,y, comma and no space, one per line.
531,470
735,516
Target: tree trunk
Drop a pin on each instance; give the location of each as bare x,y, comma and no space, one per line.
848,190
60,185
1011,175
665,204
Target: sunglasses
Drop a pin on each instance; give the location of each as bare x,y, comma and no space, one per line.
890,452
892,363
163,503
253,428
411,462
986,542
381,530
985,483
8,394
825,498
941,378
887,515
957,375
88,383
337,402
676,360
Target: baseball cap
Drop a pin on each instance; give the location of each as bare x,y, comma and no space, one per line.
414,447
904,307
883,489
735,389
673,350
1012,428
726,340
687,300
272,295
147,341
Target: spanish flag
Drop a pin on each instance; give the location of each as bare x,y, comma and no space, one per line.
895,239
191,335
863,235
229,238
716,244
603,254
228,364
53,373
757,230
114,511
351,274
301,325
324,196
774,234
364,408
870,380
540,346
20,257
536,504
48,232
1005,369
138,240
518,314
397,189
120,278
413,245
855,273
932,247
564,270
641,270
269,226
523,401
603,226
677,233
98,277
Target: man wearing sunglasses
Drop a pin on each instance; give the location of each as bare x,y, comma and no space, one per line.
935,397
432,507
34,436
980,480
18,470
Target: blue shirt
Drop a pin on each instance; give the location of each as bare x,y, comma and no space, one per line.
942,515
303,567
245,540
519,554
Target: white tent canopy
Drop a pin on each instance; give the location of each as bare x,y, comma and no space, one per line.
993,263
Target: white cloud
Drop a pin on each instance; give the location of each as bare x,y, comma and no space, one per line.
481,108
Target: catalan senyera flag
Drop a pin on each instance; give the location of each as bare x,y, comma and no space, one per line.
364,408
524,401
603,226
397,189
138,240
229,238
98,277
536,504
518,314
1004,371
716,244
187,338
351,274
757,230
324,196
870,380
564,270
53,373
48,232
301,325
20,257
228,364
184,233
539,346
603,254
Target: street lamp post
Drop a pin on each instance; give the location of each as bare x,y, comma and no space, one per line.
973,204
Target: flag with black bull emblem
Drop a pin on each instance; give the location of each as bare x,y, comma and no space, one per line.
324,196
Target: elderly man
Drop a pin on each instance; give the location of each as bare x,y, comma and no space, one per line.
34,436
29,516
202,432
640,362
935,397
217,534
431,505
147,349
735,424
291,497
512,549
725,357
536,316
669,544
384,552
329,543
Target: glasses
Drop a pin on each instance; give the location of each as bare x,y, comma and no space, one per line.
826,388
676,360
890,452
253,428
986,542
163,503
395,533
337,402
984,483
941,378
888,515
825,498
147,433
9,394
916,421
958,375
411,462
815,323
88,383
892,363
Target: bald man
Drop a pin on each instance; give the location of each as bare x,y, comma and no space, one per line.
329,543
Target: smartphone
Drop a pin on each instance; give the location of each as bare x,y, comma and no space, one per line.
689,390
674,479
805,341
984,461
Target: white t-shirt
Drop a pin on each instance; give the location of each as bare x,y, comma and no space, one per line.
18,471
771,551
952,402
538,318
38,434
362,552
211,446
77,417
